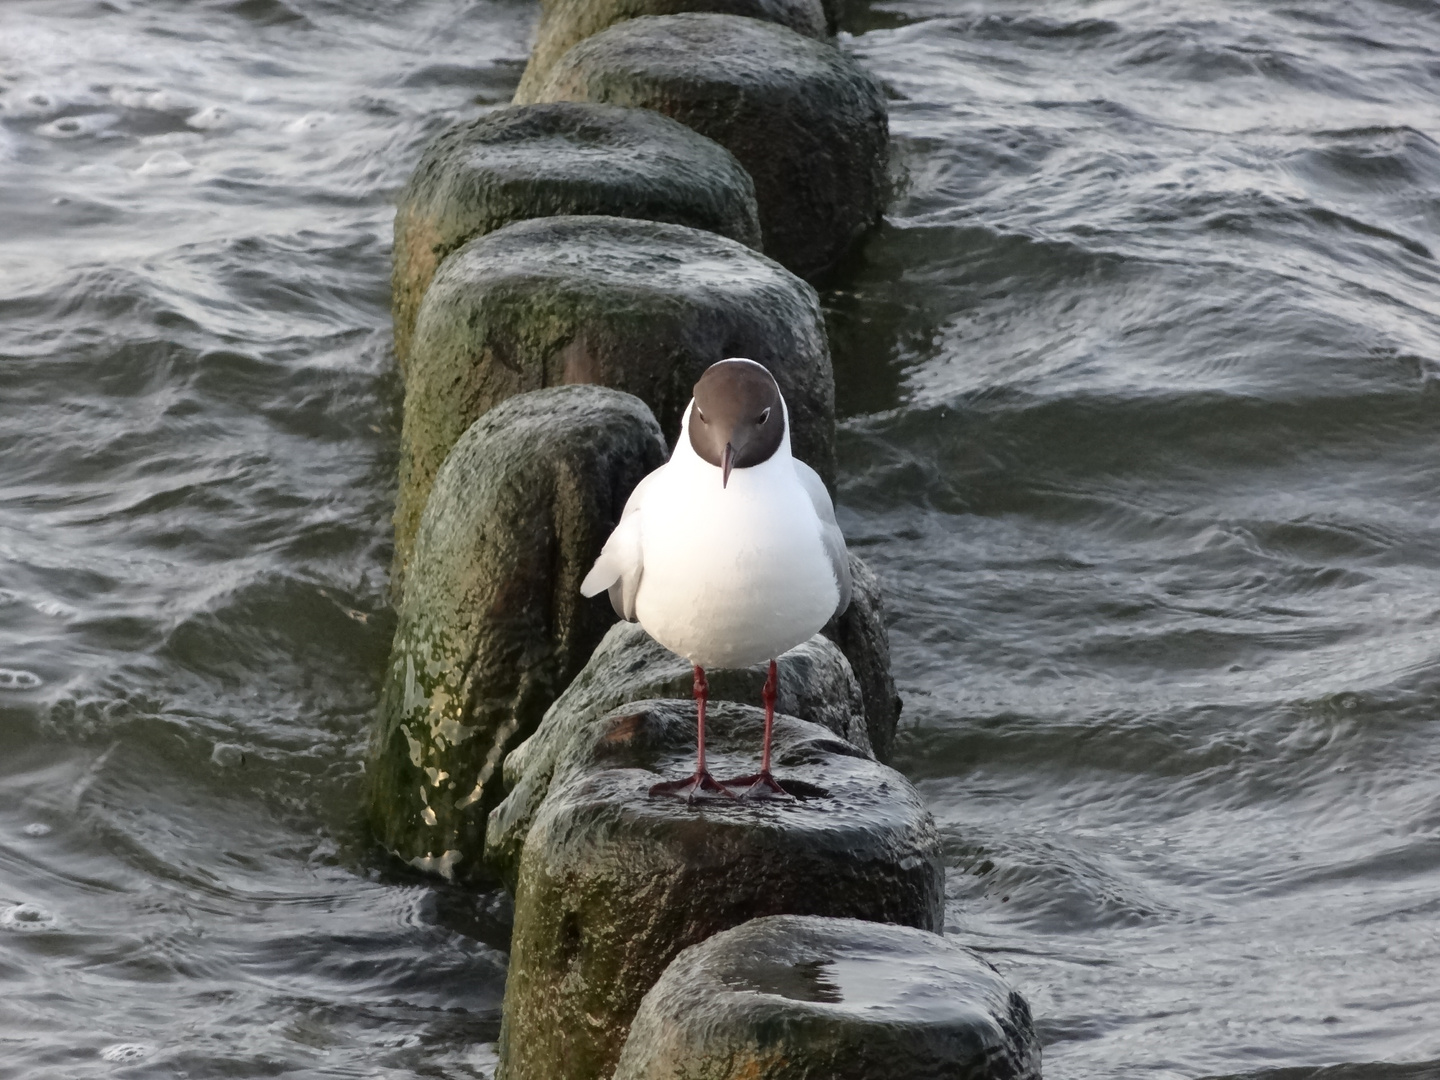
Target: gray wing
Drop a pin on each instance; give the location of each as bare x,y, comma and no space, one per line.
621,564
624,591
830,534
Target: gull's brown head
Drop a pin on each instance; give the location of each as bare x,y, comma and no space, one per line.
737,419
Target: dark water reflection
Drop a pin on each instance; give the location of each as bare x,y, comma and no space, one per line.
1151,477
198,432
1141,432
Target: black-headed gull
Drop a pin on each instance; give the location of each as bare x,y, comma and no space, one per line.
728,554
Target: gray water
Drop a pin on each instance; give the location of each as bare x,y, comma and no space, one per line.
1140,431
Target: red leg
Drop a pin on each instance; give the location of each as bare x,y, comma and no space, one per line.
702,784
763,785
768,695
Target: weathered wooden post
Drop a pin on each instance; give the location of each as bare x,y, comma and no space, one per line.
581,237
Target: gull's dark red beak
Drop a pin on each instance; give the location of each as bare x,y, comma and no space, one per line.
727,461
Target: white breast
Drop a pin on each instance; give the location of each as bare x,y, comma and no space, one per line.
733,575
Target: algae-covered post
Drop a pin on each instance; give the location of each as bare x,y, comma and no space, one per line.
816,684
807,122
586,238
639,306
612,883
492,626
793,997
564,23
565,158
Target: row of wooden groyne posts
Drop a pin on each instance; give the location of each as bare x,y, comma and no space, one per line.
671,173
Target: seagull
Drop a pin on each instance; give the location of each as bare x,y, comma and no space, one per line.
728,554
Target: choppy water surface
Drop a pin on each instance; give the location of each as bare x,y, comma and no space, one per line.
1141,432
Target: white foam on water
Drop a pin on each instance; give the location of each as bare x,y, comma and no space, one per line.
12,679
27,919
55,609
36,828
77,127
143,98
30,104
166,163
309,122
124,1052
210,118
484,1059
227,755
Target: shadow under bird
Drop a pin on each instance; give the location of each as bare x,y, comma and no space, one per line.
728,554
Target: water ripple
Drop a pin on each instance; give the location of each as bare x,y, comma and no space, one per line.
1139,384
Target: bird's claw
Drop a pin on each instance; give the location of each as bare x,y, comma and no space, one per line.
760,787
700,785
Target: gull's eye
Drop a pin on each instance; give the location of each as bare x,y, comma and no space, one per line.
701,415
763,417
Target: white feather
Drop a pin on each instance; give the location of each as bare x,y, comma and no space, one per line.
726,576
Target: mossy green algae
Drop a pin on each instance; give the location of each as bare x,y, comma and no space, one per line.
639,306
492,626
562,158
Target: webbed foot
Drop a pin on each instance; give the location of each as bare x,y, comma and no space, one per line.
761,786
700,785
